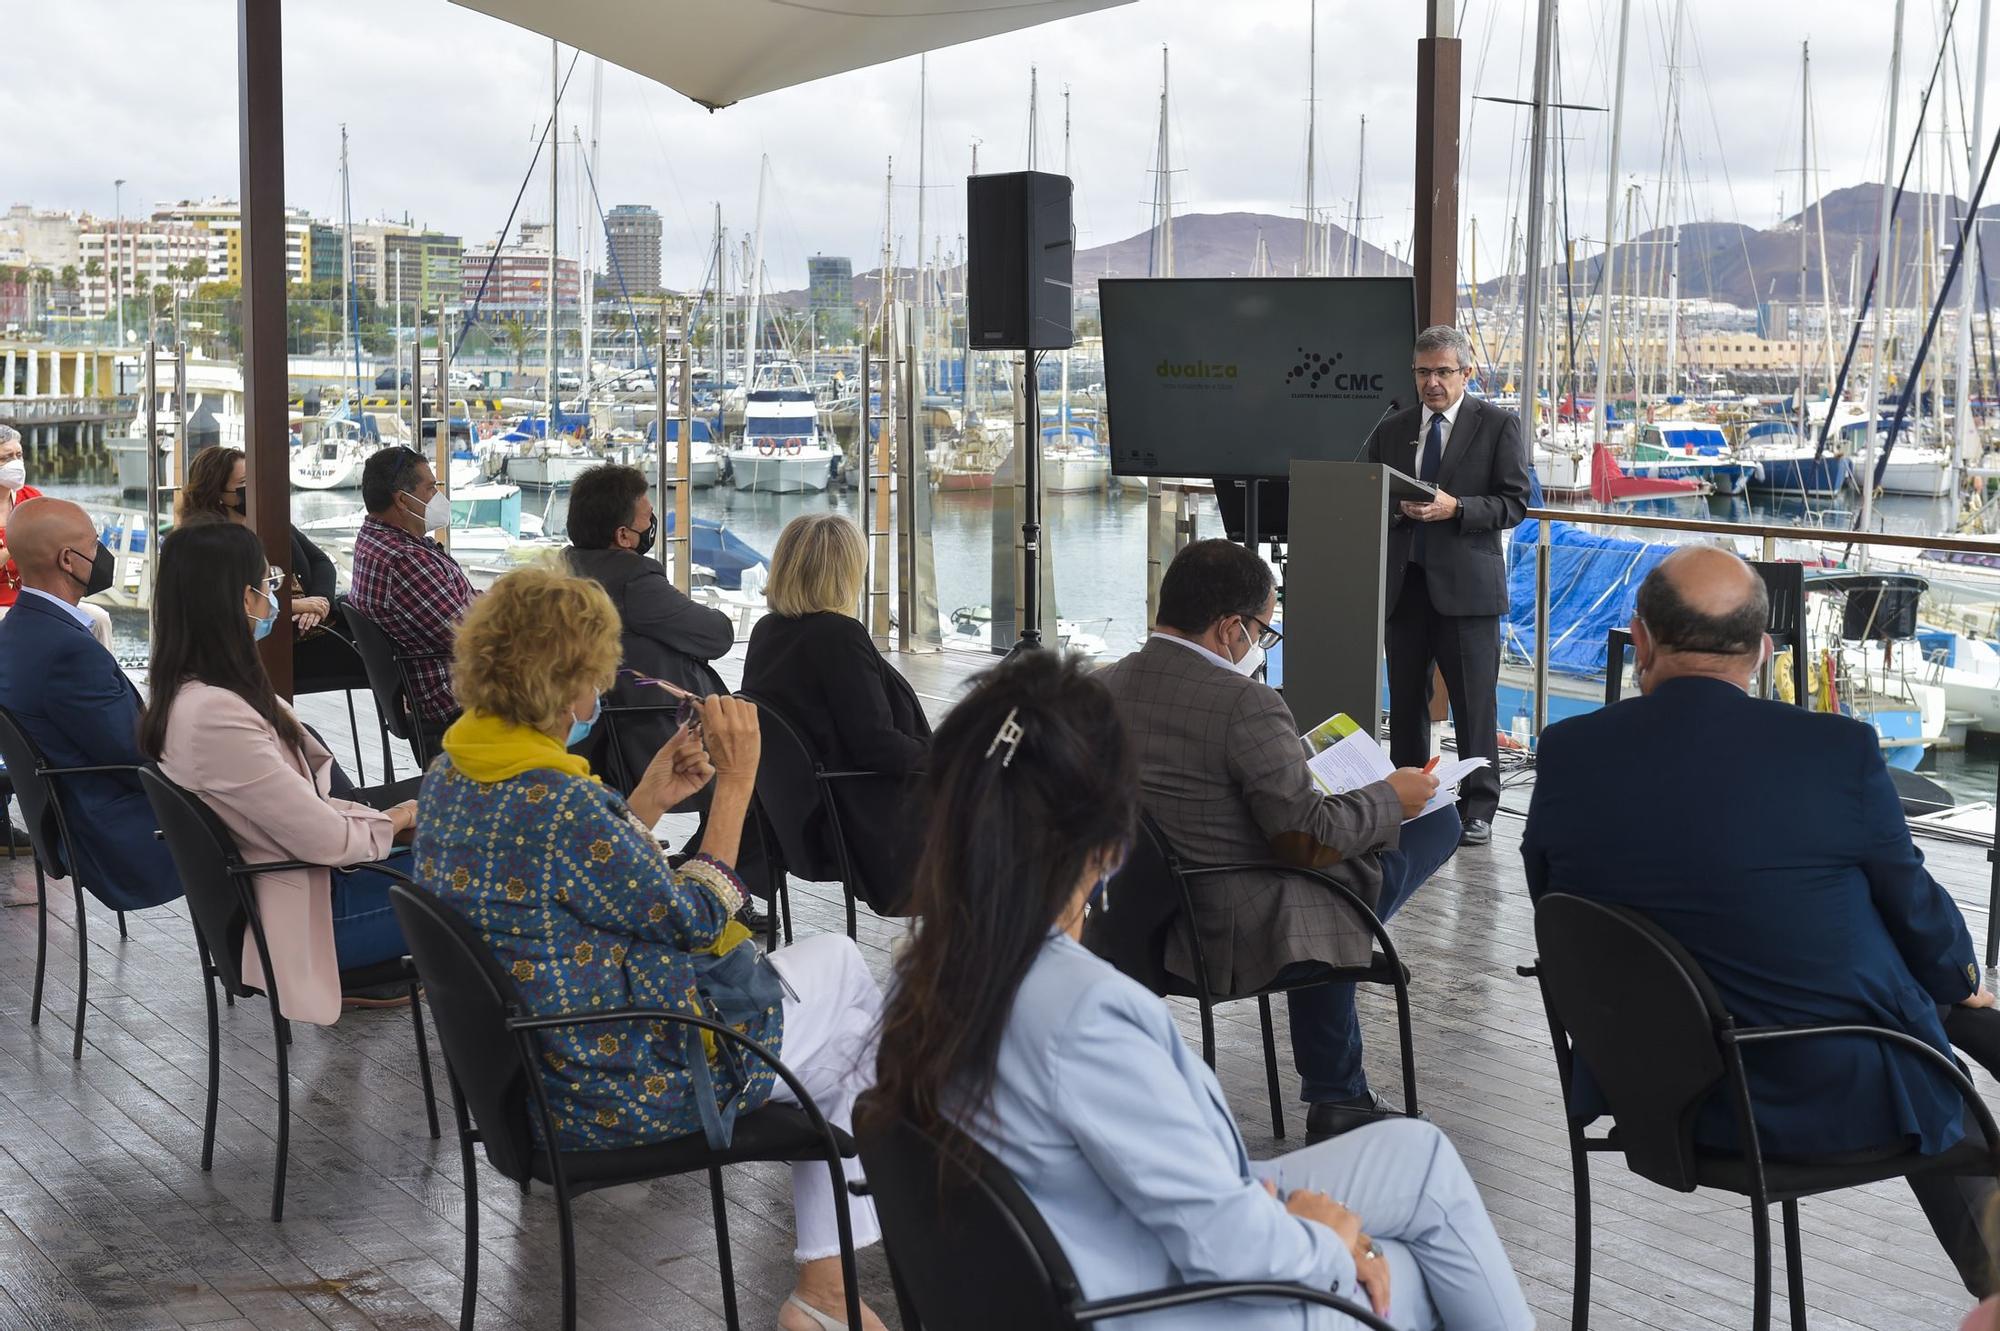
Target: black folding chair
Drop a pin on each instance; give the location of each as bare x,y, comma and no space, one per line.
1629,1003
222,900
968,1251
494,1057
795,794
350,673
36,785
1152,897
394,687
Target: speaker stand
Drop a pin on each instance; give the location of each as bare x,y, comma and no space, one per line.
1030,451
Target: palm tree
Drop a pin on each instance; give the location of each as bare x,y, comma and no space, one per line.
515,329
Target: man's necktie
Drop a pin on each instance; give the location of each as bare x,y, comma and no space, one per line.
1427,470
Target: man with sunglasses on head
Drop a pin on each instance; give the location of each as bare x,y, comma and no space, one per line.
407,584
1447,564
1223,774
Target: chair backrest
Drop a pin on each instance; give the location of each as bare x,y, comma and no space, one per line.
353,670
1141,908
385,677
1643,1017
470,999
790,794
969,1248
204,852
37,793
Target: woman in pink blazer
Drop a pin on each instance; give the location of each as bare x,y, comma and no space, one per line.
218,730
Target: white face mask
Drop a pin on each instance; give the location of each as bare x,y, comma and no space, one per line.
13,474
1253,660
437,513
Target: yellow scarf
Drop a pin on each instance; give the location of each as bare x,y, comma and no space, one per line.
487,749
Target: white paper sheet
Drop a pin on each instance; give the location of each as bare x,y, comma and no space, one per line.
1360,760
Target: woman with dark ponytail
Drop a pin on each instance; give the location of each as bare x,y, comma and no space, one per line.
1001,1026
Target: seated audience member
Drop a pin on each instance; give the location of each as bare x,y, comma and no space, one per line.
811,659
14,492
1809,903
1222,771
1002,1026
218,731
215,490
72,699
568,887
663,634
403,580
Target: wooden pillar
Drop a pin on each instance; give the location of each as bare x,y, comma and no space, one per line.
1434,253
260,118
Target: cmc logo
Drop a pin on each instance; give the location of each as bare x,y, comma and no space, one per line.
1316,369
1194,369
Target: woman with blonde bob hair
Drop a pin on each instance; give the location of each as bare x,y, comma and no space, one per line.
568,886
811,661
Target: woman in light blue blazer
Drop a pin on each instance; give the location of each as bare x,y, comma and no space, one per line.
1003,1026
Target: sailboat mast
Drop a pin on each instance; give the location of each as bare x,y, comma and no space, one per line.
1360,183
555,146
1309,246
719,326
1163,190
1065,351
1538,115
1805,124
1670,166
1601,416
1884,264
1962,450
756,278
587,260
348,312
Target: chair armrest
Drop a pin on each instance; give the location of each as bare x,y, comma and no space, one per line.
1961,1082
527,1024
284,866
422,656
1533,971
1369,919
1208,1291
132,768
848,776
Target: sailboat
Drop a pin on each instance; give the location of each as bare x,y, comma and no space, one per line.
331,453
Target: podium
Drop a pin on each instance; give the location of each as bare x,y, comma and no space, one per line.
1334,591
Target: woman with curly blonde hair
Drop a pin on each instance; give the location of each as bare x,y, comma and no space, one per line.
571,891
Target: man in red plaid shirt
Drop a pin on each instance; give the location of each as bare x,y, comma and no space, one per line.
404,581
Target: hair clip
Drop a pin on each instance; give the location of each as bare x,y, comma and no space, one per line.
1010,734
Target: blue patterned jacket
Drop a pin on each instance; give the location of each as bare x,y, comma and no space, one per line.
581,906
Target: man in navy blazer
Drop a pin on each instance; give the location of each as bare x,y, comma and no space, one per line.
70,696
1768,840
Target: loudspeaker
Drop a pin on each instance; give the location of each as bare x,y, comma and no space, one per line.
1019,251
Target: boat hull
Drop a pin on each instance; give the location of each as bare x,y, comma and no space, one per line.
1821,477
1929,476
547,473
806,472
1066,474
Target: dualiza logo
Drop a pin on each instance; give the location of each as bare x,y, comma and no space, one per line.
1314,369
1194,369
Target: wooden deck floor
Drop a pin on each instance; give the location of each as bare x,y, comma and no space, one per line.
106,1220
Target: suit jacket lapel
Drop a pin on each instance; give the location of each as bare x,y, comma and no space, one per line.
1462,432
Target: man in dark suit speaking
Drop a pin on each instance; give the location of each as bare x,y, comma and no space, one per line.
1447,569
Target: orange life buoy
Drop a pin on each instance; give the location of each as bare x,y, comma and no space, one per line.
767,447
795,446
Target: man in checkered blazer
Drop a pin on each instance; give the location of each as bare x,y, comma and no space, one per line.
1224,775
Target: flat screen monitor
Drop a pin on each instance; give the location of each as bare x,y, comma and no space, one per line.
1237,376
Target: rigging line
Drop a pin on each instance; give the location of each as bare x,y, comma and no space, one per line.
1728,182
1875,269
472,315
1912,382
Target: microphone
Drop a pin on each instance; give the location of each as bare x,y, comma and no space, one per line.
1395,405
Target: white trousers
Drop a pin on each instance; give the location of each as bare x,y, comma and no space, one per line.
832,1008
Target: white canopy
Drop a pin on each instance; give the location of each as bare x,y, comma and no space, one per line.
718,52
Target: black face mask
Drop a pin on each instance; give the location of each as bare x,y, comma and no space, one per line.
233,499
102,567
645,545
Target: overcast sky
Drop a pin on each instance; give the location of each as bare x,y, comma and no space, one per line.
442,105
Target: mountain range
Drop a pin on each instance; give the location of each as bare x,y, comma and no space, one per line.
1727,262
